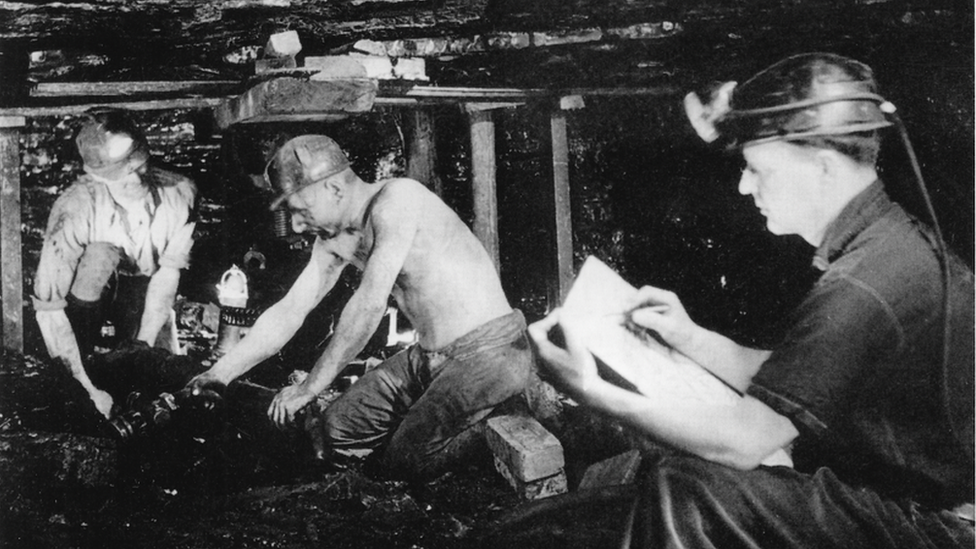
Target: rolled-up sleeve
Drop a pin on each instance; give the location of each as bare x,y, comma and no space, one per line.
65,239
179,239
177,252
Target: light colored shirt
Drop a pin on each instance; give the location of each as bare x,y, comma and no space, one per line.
152,232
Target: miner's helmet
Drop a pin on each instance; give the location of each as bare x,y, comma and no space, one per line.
110,144
300,162
803,96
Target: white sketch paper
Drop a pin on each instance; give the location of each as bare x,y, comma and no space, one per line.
596,307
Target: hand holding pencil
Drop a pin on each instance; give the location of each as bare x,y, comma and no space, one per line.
661,312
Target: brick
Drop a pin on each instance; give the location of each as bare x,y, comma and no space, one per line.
618,470
536,489
525,447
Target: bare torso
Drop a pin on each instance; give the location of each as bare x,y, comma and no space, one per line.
447,285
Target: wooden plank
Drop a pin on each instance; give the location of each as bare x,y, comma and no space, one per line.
124,89
483,178
137,105
394,94
422,150
11,277
12,122
297,99
562,205
501,95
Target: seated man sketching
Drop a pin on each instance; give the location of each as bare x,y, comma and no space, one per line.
472,353
873,383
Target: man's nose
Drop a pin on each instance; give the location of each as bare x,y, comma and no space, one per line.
298,223
747,183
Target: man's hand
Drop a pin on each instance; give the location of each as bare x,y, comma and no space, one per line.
287,403
662,311
103,402
573,367
206,381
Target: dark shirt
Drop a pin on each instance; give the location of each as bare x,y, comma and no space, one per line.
860,372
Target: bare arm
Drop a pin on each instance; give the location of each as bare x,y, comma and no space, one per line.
740,435
159,302
662,311
395,221
64,244
161,293
733,363
62,345
279,322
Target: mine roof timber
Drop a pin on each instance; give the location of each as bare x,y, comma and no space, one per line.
62,98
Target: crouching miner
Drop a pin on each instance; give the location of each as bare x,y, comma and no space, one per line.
114,246
872,385
472,354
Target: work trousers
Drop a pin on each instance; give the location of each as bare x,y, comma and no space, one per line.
99,293
686,502
423,405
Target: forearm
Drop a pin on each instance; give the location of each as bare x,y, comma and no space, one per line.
733,363
738,436
160,296
269,334
358,322
61,344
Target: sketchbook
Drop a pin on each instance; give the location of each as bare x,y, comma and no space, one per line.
633,357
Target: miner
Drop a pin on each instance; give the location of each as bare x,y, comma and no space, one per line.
872,385
115,243
418,408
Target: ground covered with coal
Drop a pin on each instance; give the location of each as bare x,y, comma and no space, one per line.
228,479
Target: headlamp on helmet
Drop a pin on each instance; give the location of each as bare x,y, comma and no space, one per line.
807,95
110,144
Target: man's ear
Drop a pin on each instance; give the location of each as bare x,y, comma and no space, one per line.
831,164
334,187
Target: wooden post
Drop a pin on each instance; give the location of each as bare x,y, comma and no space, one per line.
11,277
561,202
483,175
422,150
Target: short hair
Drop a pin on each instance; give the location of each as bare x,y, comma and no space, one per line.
862,147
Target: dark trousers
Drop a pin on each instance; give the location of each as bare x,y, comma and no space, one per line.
688,502
99,294
422,405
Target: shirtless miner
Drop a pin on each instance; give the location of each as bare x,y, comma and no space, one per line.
472,353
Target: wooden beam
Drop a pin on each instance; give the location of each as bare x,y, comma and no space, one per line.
140,96
125,89
138,105
422,150
11,277
562,205
483,176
